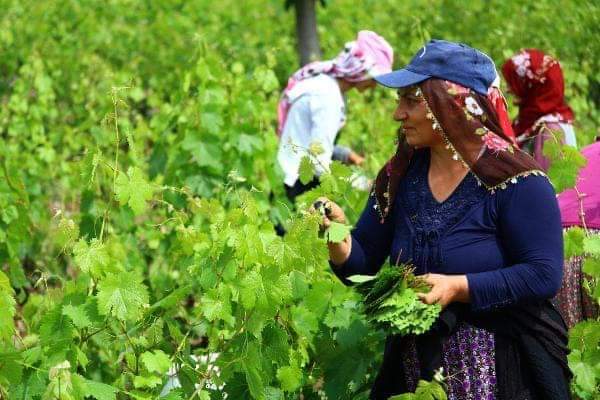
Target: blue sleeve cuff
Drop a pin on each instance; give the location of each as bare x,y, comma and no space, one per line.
341,153
489,290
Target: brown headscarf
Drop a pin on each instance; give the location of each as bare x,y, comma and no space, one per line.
471,129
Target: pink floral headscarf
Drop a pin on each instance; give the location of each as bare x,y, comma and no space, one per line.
366,57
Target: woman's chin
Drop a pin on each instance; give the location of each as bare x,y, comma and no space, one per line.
412,142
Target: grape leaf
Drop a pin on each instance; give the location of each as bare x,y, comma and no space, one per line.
7,309
133,189
92,258
361,278
56,331
78,315
11,368
306,170
566,162
290,378
337,232
122,296
156,361
591,266
573,239
100,391
591,245
146,381
585,375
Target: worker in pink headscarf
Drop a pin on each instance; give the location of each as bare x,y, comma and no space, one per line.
580,207
312,108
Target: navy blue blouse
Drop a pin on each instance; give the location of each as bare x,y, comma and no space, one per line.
509,244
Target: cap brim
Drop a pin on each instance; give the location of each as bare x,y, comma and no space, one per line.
400,78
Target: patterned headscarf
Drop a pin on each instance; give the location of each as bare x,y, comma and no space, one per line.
537,79
366,57
471,128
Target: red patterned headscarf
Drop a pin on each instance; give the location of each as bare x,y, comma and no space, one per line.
537,79
472,130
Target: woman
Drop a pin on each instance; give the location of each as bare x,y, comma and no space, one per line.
536,80
480,222
580,207
312,107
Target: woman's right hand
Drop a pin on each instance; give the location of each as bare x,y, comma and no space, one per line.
330,211
338,252
355,158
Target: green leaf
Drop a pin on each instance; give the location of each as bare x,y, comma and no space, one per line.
591,266
591,245
92,258
290,378
425,391
338,317
272,393
7,309
251,287
133,189
156,361
204,395
78,315
172,299
11,368
146,381
275,344
361,278
573,239
585,336
299,284
337,232
566,162
56,331
306,170
251,365
585,376
305,322
122,295
100,391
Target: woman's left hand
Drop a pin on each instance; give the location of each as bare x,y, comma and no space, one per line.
445,289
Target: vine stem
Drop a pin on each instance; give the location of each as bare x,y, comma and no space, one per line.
580,197
117,138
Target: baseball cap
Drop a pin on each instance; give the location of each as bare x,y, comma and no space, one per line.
455,62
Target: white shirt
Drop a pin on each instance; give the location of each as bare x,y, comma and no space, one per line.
316,114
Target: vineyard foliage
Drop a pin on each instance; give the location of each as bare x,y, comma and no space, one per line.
139,192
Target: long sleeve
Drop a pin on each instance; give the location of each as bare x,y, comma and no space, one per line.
371,241
312,118
341,153
530,230
325,122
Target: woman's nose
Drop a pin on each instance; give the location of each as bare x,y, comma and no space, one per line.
400,114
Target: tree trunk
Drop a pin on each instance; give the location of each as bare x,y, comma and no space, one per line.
306,31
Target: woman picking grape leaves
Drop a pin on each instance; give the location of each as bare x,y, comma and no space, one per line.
536,80
480,221
312,107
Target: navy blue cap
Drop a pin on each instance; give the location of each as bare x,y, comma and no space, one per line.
455,62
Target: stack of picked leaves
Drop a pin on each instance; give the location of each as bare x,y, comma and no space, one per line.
390,300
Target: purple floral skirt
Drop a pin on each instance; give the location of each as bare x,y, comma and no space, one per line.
469,364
